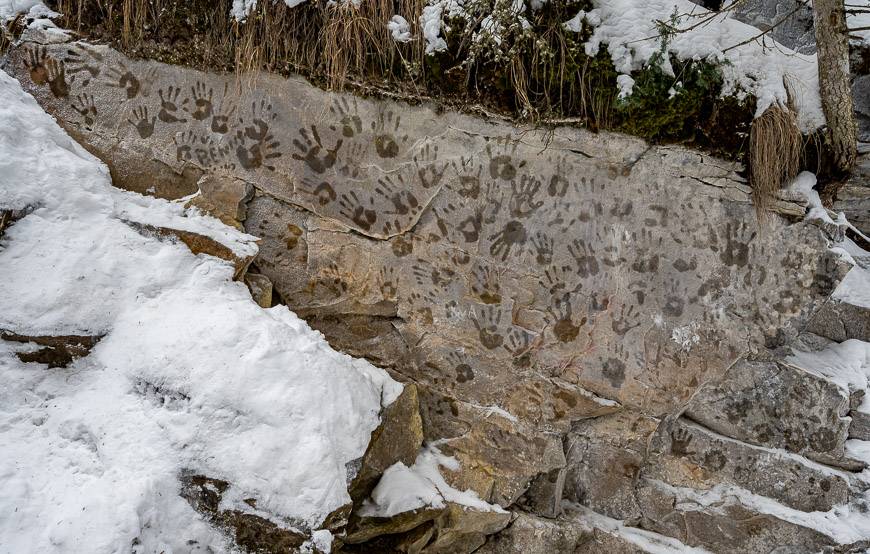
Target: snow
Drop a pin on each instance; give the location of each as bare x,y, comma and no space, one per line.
402,488
399,28
855,287
191,374
242,8
625,84
11,8
857,20
628,30
803,185
430,22
846,364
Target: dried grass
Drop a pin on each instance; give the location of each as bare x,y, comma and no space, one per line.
775,149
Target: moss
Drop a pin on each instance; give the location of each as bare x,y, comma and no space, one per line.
666,106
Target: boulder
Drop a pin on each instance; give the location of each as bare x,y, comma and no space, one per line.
530,534
794,31
462,530
859,428
364,529
453,529
721,522
777,405
604,458
10,216
260,287
840,321
223,196
693,456
397,439
248,529
577,530
499,456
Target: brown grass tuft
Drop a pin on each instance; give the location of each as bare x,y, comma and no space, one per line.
775,147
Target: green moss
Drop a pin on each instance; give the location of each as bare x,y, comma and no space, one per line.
666,107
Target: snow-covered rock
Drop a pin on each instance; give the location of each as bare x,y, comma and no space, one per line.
189,376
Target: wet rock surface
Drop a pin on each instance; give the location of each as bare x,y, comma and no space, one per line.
578,313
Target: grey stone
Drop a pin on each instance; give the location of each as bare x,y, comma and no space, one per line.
723,523
604,458
545,493
859,428
56,350
791,20
224,197
840,321
529,534
462,530
577,531
854,200
692,456
780,406
398,438
260,287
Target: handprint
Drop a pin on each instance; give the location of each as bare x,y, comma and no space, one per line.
487,325
121,77
312,151
356,212
84,105
140,121
56,75
35,64
169,105
221,116
202,102
351,124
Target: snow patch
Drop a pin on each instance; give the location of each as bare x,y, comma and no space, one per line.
847,363
402,488
399,28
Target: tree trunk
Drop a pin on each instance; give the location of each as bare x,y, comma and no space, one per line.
832,39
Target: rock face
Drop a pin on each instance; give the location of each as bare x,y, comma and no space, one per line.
779,406
789,22
587,318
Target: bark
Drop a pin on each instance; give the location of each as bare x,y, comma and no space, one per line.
832,39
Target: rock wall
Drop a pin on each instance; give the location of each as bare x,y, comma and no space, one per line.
557,296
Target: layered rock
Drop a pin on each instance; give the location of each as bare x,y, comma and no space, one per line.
587,319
